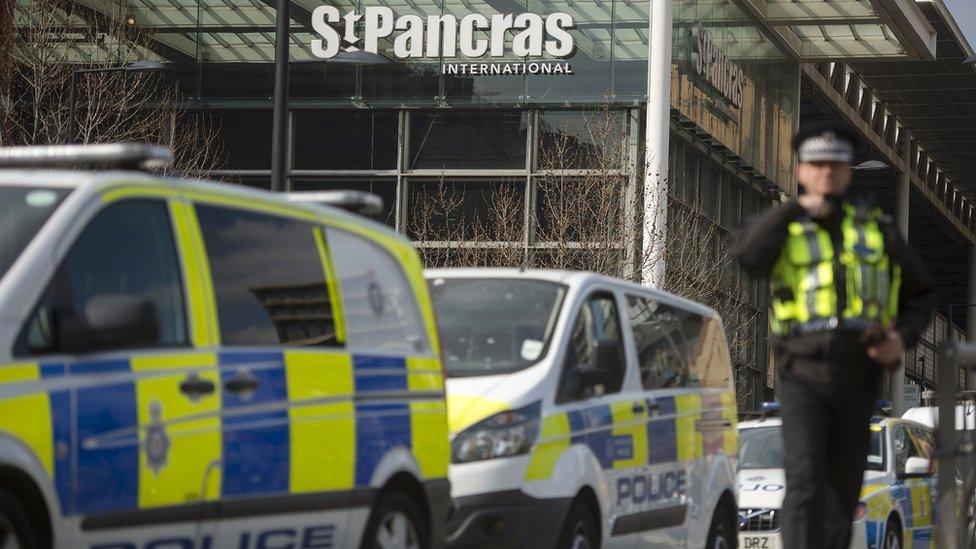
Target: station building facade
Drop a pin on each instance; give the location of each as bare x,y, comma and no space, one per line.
502,102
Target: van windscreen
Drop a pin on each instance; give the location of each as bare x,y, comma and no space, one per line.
23,210
762,448
491,326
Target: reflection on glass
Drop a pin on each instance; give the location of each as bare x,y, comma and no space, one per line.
345,140
490,343
467,139
580,139
454,210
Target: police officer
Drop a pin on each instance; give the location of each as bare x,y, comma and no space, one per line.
848,296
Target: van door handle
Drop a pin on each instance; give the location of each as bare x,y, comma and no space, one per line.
195,386
654,405
637,408
244,382
713,424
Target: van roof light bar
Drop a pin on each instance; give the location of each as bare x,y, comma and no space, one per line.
360,202
137,156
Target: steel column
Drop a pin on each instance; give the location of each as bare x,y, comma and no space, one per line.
279,125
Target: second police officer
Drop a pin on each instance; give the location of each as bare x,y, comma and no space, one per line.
848,296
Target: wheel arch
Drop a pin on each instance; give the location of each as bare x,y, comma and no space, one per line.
587,496
409,484
23,487
21,472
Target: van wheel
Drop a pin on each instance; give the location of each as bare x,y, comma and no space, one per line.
395,523
579,530
892,539
721,533
16,530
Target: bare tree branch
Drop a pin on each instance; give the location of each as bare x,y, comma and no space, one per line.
51,43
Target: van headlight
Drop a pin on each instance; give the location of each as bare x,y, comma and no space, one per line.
504,434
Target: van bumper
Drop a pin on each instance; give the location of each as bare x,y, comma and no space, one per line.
506,519
439,498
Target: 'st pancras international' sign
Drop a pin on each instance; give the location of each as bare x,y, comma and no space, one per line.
716,67
473,36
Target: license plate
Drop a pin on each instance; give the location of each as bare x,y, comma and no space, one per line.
759,541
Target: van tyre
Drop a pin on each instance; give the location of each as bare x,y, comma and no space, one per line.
722,532
16,530
395,523
579,530
892,539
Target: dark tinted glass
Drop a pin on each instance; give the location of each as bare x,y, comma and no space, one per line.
467,139
579,209
384,188
731,195
466,210
268,279
126,249
23,211
708,190
345,140
234,79
690,176
246,138
580,139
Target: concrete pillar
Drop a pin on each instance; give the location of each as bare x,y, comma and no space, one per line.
896,379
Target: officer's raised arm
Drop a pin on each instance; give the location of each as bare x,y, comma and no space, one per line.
759,242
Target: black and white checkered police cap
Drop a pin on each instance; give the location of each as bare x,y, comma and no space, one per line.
825,143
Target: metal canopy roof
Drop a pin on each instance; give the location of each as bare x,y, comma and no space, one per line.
935,100
242,31
821,30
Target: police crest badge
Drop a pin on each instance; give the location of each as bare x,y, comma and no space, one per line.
156,444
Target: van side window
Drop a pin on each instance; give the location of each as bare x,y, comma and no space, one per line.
269,279
378,301
658,336
677,347
596,332
127,252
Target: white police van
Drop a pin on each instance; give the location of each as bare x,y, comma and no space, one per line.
192,365
897,499
584,411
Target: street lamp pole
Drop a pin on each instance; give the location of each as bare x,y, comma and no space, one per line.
279,124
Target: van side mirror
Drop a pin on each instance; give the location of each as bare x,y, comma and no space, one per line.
917,467
110,321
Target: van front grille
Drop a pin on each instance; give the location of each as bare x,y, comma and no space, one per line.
759,520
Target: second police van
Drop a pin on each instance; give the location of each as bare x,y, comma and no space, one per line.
190,365
585,411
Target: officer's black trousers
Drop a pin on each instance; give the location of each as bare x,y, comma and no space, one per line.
826,406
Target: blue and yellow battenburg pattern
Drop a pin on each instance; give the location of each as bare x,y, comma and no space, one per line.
621,439
913,498
318,421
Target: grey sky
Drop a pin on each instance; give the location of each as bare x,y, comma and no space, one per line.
964,11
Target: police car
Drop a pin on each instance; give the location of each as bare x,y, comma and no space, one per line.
897,498
585,411
185,364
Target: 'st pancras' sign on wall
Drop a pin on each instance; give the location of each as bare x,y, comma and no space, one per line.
715,66
447,37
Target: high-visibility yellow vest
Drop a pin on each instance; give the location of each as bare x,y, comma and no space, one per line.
802,280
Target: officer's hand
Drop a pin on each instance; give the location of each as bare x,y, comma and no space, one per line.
888,351
815,204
